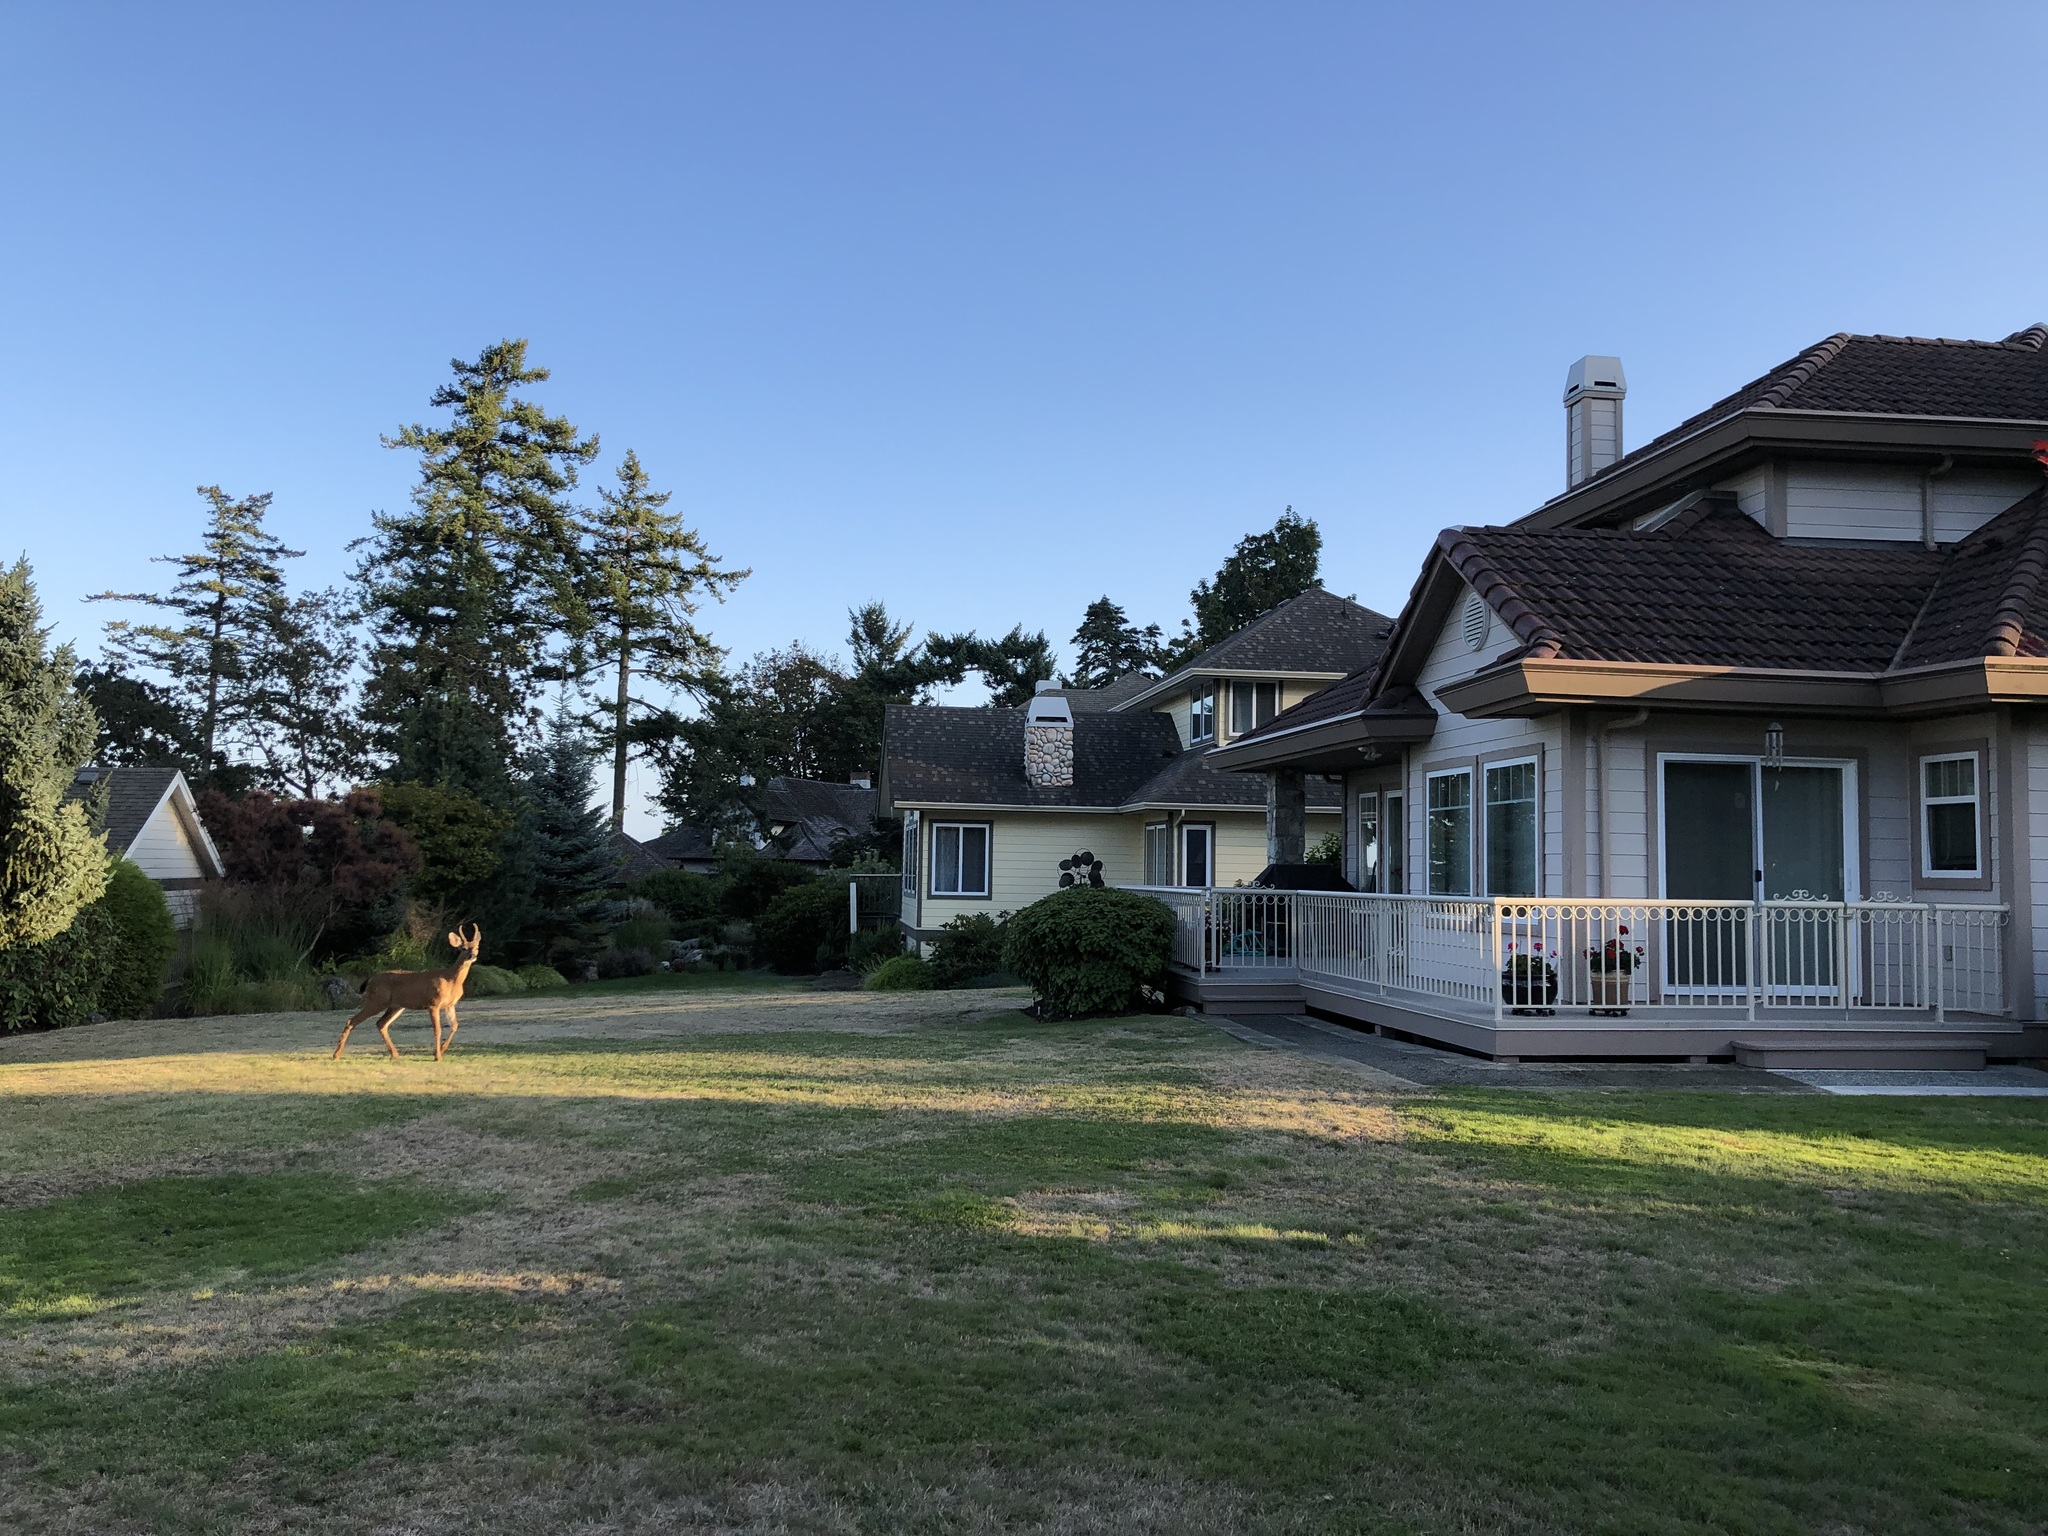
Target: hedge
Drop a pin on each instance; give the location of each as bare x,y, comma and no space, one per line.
1088,950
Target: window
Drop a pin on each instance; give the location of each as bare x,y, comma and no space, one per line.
1158,853
910,854
1252,705
1393,847
1197,853
1450,833
960,858
1511,829
1368,842
1202,713
1949,843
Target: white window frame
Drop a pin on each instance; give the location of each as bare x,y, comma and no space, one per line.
1852,804
1975,800
988,859
1484,827
1463,771
1159,854
1203,694
910,861
1180,848
1394,842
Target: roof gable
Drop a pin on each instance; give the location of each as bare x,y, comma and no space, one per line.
1313,634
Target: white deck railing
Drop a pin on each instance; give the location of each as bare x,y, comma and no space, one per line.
1518,955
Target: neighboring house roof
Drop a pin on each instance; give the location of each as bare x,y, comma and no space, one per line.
636,858
807,816
1111,695
682,845
940,755
134,797
1316,634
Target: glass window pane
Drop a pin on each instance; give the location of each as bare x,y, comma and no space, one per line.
1450,834
1511,830
945,859
1952,778
974,861
1195,855
1368,842
1393,847
1241,708
1952,837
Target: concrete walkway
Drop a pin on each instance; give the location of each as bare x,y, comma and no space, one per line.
1991,1083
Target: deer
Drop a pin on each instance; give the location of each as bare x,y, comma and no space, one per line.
392,992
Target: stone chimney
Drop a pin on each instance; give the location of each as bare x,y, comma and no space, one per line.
1049,739
1593,392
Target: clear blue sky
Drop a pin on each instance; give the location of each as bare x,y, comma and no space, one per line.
981,309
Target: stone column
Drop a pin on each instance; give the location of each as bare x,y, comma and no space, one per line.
1286,816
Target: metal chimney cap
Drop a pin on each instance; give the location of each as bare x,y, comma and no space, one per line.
1595,376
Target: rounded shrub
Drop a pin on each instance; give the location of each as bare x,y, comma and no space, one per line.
871,946
968,948
492,981
539,978
804,929
906,973
686,896
57,983
144,939
1087,950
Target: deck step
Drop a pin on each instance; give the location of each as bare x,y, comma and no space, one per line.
1888,1049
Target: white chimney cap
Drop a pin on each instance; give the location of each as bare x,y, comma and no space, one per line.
1046,685
1049,709
1595,376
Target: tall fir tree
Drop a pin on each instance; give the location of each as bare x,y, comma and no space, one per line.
141,723
1013,665
300,721
1265,570
574,862
470,593
52,861
1107,645
222,598
647,573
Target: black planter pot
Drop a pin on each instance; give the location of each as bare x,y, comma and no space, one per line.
1521,988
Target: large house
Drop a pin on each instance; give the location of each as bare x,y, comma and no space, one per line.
1114,784
1734,748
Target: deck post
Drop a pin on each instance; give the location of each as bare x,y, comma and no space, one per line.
1757,945
1498,961
1940,981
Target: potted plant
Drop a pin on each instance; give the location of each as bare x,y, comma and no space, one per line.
1528,981
1611,970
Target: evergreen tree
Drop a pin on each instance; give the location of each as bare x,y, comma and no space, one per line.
1108,644
300,720
141,723
52,862
574,862
1265,570
470,591
647,574
222,597
1013,666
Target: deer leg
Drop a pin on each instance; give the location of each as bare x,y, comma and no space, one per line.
434,1013
360,1015
384,1029
453,1025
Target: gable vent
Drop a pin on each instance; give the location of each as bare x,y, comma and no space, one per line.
1473,621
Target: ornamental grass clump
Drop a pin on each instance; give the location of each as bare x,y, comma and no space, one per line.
905,973
1088,951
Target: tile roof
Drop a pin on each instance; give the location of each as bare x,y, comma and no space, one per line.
634,858
1889,376
679,844
939,755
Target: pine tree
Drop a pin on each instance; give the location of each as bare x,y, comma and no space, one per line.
300,718
52,862
141,723
647,573
1108,644
1265,570
574,862
222,596
1013,666
470,593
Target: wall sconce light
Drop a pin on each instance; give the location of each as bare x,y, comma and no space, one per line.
1774,745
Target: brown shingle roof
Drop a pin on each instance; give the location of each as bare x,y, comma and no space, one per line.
1890,376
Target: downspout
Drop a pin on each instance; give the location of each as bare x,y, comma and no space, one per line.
1927,479
1604,775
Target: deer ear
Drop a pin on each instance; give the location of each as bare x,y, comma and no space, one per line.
455,940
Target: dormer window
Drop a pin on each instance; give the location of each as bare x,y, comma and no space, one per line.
1252,705
1202,713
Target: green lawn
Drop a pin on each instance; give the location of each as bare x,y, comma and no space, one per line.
761,1259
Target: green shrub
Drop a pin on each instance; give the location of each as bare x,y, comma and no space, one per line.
210,980
646,927
492,981
1327,849
906,973
749,882
1087,950
804,929
539,978
968,948
687,897
144,940
55,984
871,946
